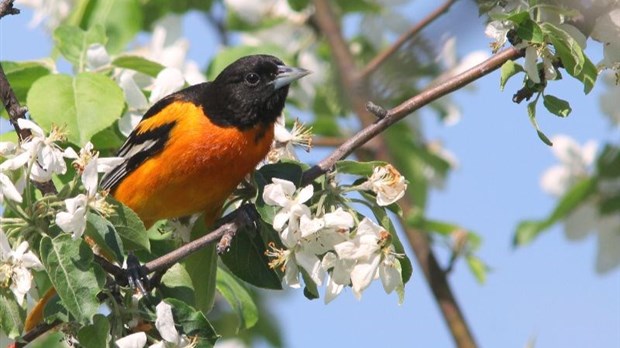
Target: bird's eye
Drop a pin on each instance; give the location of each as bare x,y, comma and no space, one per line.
252,79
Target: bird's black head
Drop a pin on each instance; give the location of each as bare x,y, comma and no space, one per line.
249,91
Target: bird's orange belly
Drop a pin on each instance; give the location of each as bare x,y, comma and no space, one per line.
187,178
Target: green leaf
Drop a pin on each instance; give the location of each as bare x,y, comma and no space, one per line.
573,58
477,268
608,163
351,6
193,322
508,70
531,111
54,310
427,225
105,236
177,283
108,139
311,290
238,298
129,226
50,340
156,9
73,42
246,258
298,5
97,334
85,104
122,20
530,31
202,269
530,229
22,75
588,75
556,105
517,18
76,278
12,315
358,168
283,170
139,64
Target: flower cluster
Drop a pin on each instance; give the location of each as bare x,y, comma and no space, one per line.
40,157
331,247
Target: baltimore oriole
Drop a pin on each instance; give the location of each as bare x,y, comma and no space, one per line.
192,148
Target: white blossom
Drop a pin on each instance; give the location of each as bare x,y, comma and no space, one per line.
374,256
297,253
15,266
282,193
608,254
531,67
388,184
137,104
168,81
73,220
575,164
322,233
135,340
167,330
610,99
498,30
607,30
50,12
14,160
169,48
46,156
284,141
339,274
8,189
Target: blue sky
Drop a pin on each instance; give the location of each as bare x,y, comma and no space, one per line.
548,290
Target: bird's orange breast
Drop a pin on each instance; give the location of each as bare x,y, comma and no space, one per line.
199,167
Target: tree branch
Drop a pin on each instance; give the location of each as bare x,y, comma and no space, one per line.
12,105
6,8
376,62
358,95
223,235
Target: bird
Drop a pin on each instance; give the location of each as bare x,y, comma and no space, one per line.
192,148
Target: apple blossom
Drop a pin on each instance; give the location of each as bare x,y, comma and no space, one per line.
15,266
387,183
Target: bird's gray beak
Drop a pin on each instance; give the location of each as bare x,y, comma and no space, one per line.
288,74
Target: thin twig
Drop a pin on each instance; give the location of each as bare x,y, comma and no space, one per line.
407,107
224,232
376,62
12,105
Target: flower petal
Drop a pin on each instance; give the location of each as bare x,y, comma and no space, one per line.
135,340
165,323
